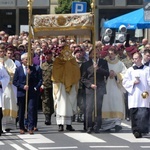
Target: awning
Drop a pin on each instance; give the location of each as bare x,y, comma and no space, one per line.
132,20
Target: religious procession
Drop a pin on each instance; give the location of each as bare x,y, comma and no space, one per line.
97,83
61,76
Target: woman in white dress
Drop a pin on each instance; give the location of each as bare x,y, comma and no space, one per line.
113,102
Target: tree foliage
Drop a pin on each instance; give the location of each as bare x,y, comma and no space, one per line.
64,6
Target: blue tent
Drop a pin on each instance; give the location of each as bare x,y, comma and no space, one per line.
132,20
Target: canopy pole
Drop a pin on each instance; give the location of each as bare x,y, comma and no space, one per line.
93,6
29,51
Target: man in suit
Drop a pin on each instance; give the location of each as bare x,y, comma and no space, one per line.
146,57
37,94
20,82
87,78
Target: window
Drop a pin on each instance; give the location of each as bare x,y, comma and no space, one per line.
134,2
105,2
9,24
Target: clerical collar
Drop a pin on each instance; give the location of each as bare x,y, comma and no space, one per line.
136,67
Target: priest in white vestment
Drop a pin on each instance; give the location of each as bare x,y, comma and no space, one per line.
113,108
65,77
10,108
4,80
137,83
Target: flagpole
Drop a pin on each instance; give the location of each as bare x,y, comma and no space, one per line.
29,51
93,7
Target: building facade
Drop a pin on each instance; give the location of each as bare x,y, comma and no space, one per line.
14,13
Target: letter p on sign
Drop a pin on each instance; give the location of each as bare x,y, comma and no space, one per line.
79,7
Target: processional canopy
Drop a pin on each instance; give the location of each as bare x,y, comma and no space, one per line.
62,24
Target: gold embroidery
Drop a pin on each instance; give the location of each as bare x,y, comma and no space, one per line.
66,53
8,112
61,21
112,115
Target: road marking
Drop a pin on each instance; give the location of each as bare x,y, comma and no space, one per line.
7,133
130,138
72,147
17,147
85,138
29,146
148,147
109,147
1,143
35,139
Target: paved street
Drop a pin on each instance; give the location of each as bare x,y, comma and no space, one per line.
48,138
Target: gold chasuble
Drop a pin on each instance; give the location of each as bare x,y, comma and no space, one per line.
65,70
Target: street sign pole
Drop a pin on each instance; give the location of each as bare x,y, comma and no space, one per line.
147,10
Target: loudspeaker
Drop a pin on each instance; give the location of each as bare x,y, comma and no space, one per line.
108,31
122,29
121,38
106,38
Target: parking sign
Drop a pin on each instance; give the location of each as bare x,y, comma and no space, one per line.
79,7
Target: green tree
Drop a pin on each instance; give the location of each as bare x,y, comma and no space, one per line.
64,6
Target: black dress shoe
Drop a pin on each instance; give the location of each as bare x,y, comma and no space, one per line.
84,128
17,120
47,119
108,130
70,128
61,128
47,123
89,130
7,130
118,128
25,129
96,130
137,134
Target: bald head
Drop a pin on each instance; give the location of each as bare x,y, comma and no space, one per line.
145,41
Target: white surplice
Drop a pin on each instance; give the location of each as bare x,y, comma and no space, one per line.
134,91
113,102
4,79
10,108
65,103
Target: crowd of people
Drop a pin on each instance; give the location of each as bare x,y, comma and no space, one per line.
71,82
